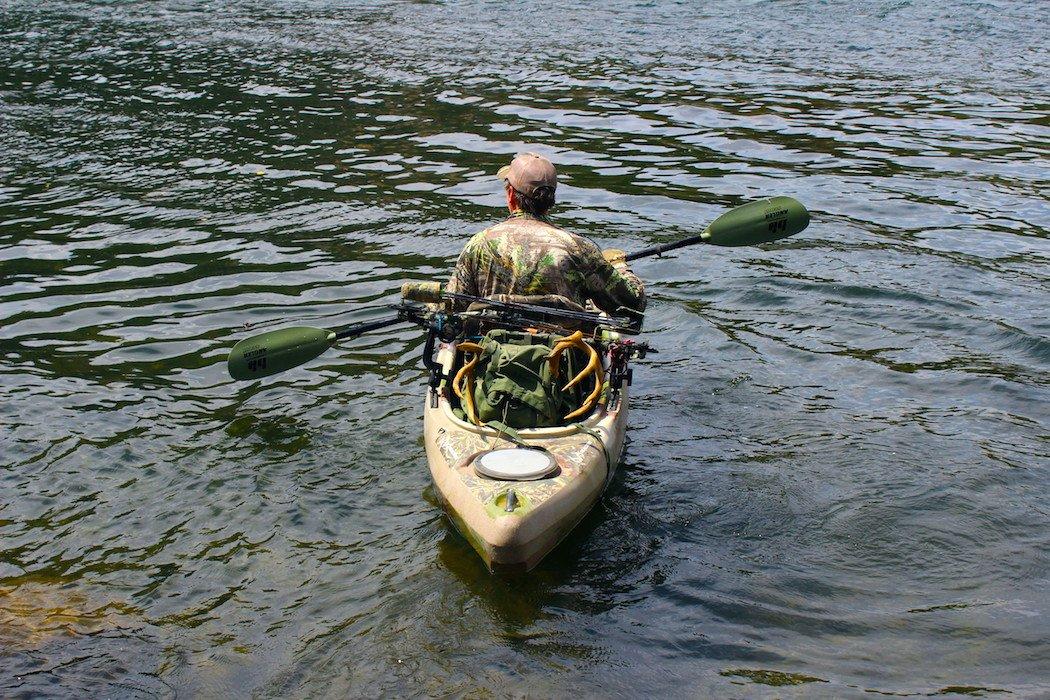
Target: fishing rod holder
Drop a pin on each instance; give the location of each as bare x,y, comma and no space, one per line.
433,367
620,372
440,326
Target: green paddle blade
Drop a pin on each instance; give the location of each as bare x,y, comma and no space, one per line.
758,222
277,351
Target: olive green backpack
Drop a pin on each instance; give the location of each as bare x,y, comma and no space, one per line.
513,382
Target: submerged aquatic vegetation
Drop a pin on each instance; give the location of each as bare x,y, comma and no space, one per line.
32,614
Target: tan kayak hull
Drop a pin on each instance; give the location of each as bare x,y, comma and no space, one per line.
547,509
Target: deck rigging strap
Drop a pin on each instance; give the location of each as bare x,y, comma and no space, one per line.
505,431
601,444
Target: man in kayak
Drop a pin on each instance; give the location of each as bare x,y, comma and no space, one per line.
530,259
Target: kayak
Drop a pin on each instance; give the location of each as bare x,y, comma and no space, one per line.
515,499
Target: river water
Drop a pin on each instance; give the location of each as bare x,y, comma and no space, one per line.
836,482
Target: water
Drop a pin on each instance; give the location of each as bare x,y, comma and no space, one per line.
836,481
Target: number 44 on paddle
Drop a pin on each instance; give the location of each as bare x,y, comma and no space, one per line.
526,404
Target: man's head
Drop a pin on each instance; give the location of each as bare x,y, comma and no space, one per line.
530,180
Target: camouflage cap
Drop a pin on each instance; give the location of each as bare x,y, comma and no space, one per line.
528,172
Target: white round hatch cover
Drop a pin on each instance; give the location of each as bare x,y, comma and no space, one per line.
515,464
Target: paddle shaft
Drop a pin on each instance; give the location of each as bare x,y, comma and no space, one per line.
366,326
659,249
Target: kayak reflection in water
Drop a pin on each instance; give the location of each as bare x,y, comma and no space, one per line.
526,258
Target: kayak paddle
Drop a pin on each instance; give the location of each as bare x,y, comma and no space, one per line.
280,350
756,222
276,351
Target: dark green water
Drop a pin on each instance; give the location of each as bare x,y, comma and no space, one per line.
837,479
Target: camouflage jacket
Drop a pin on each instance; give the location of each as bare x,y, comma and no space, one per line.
528,256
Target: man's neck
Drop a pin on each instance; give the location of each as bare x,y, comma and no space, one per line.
519,214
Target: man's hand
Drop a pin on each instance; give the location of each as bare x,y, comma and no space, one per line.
615,256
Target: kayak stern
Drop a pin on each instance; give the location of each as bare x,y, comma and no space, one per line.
514,532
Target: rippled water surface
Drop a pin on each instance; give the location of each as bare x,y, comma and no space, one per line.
838,468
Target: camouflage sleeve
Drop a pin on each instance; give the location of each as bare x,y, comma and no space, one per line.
612,289
464,279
